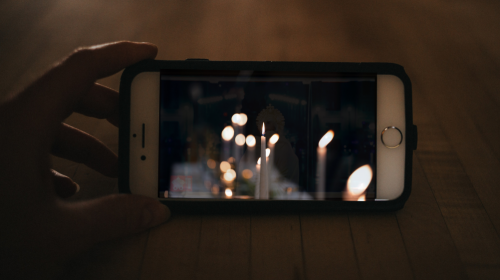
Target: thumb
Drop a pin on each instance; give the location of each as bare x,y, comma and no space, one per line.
115,216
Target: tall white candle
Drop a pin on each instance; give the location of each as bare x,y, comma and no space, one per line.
321,166
264,190
227,135
250,140
272,142
257,184
238,129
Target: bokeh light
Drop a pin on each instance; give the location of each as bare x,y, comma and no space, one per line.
228,133
240,139
224,166
247,174
250,140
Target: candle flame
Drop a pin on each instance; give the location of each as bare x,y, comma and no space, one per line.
274,139
326,139
268,152
229,193
240,139
258,161
359,180
250,140
263,129
228,133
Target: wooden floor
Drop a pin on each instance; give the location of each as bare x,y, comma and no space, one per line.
449,228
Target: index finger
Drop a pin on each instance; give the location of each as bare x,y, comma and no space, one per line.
57,93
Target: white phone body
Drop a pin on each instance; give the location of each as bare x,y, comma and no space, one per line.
144,136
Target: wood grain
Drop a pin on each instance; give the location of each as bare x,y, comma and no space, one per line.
328,247
172,249
276,247
431,250
225,247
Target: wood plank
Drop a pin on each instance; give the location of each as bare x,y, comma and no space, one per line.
468,222
172,249
450,79
328,247
430,248
380,249
224,251
116,259
276,247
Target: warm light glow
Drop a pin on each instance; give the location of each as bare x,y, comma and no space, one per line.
250,140
229,193
362,198
359,180
247,174
243,119
326,139
274,139
211,163
258,161
215,189
224,166
268,152
236,118
240,139
230,175
228,133
263,129
231,159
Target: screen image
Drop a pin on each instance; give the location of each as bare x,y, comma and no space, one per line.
316,132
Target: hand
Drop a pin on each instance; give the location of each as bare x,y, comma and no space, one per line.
39,229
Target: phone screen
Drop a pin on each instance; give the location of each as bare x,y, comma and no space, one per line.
316,131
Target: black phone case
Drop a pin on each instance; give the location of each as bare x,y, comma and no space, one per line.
266,206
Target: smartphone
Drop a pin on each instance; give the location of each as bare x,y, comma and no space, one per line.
204,135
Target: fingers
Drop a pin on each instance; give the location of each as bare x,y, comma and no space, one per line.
63,185
114,216
100,102
75,145
57,93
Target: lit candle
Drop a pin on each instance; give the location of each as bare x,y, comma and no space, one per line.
227,135
237,125
272,142
239,140
264,191
357,183
257,185
321,166
250,140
